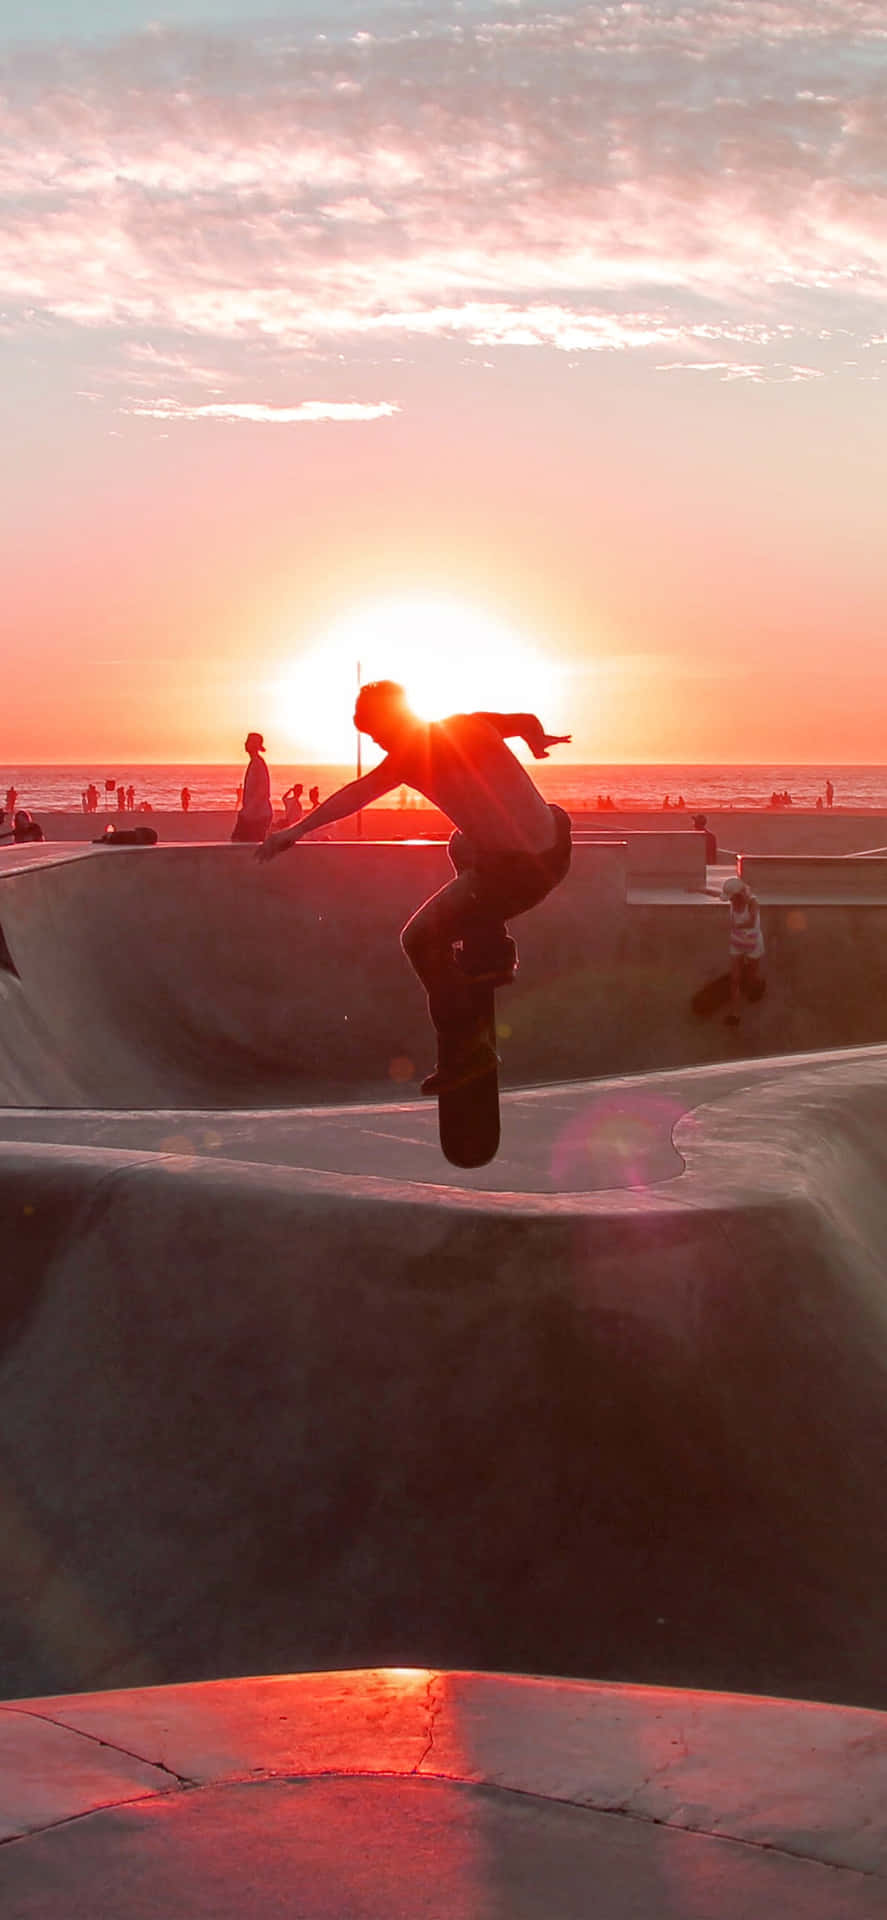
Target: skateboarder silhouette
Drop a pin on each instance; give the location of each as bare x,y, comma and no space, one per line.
509,850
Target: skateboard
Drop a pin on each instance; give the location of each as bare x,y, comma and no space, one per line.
468,1115
716,994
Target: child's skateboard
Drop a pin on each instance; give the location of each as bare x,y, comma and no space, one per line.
468,1113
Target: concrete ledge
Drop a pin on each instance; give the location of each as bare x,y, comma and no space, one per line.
782,1802
815,878
657,859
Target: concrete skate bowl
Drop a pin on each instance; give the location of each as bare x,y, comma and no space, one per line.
176,975
264,1419
192,976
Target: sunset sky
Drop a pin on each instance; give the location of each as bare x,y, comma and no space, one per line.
545,337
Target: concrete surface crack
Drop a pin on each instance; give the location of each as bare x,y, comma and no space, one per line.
433,1706
85,1813
160,1766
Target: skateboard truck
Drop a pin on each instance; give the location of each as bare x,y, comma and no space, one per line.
487,956
482,1060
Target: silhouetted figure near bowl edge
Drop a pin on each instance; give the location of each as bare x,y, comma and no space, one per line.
292,803
509,850
700,823
256,811
24,827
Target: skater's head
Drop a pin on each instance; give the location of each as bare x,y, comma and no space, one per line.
382,711
254,743
734,889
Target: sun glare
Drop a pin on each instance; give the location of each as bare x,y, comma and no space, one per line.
449,657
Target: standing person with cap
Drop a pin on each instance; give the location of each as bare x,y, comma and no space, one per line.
746,946
700,823
254,819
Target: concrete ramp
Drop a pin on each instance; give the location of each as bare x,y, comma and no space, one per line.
190,976
163,976
258,1416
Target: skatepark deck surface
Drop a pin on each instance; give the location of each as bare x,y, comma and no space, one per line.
421,1795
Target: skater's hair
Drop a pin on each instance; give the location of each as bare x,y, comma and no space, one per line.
376,696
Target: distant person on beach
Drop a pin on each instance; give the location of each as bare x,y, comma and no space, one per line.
509,850
92,797
121,799
700,823
130,799
185,797
746,945
829,794
292,803
256,812
11,798
23,828
314,797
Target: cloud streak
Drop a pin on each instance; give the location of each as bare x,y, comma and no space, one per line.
594,179
308,412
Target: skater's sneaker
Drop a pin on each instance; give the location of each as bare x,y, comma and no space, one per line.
491,964
458,1074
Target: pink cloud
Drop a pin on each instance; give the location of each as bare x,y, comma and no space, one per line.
592,179
308,412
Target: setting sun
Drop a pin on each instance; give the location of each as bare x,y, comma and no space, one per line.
450,658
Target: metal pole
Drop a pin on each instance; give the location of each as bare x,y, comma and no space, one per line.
360,814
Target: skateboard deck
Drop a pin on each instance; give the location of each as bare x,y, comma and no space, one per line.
468,1115
716,994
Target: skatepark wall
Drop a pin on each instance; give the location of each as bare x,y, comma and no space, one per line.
751,830
261,1419
815,877
177,976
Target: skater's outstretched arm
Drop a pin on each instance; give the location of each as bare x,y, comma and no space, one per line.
347,800
525,726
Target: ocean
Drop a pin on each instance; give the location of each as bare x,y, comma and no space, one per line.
630,786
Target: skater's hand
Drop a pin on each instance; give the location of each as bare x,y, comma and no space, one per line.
275,843
551,740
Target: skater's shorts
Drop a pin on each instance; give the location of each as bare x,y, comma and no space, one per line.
510,883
